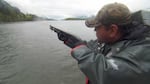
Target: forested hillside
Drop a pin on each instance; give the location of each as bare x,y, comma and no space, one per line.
9,13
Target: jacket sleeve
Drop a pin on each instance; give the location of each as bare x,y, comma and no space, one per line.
130,66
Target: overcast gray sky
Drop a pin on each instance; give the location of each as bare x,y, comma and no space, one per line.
59,9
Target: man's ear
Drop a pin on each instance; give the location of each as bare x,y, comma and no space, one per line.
114,30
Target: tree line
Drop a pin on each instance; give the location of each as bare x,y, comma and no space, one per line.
9,13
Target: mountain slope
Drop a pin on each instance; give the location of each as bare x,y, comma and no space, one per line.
9,13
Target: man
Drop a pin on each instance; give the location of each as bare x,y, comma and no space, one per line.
121,53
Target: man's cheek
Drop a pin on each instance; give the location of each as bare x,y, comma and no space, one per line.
99,38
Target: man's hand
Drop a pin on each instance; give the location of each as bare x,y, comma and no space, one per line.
70,40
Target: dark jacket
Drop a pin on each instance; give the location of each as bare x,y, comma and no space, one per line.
124,62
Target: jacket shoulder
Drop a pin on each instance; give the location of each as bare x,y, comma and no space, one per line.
136,49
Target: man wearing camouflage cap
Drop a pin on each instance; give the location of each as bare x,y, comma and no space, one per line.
121,53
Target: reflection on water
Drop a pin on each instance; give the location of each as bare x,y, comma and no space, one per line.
31,54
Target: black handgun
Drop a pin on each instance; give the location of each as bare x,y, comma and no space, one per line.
68,39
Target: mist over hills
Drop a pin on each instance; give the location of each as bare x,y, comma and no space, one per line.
9,13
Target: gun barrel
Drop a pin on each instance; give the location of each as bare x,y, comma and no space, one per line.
54,29
58,30
51,27
64,33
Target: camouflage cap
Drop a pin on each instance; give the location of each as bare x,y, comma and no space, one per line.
114,13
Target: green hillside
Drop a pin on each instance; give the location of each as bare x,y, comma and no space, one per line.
74,19
9,13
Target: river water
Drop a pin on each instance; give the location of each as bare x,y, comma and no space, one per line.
31,54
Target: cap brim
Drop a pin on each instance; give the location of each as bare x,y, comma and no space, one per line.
92,22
